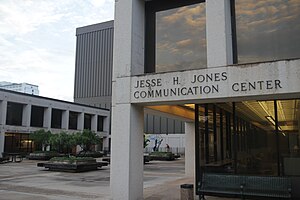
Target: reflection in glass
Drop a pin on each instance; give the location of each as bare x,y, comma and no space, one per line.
181,38
267,30
249,137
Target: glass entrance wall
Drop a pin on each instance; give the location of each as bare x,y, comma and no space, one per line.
18,143
249,137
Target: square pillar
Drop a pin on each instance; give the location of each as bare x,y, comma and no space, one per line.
190,149
47,118
218,33
94,121
2,138
26,116
80,121
3,111
126,180
65,119
126,177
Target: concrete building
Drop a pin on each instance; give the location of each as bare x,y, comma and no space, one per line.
20,87
93,82
22,114
230,68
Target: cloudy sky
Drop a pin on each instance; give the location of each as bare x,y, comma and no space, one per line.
37,41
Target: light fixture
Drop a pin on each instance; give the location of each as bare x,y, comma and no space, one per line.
271,120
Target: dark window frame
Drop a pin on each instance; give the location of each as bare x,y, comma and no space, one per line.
151,7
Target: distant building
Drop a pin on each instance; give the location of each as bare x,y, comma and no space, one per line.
22,114
93,84
20,87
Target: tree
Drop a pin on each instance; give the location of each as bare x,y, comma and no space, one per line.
62,142
86,139
40,138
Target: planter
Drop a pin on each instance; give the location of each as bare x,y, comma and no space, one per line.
168,156
72,164
93,154
42,155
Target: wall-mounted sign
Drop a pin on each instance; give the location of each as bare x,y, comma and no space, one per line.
232,81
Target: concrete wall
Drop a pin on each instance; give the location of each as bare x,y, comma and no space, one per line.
93,64
30,100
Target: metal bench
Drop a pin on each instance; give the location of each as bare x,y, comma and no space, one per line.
244,186
275,187
221,185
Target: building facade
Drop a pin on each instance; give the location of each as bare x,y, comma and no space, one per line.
231,68
22,114
93,84
20,87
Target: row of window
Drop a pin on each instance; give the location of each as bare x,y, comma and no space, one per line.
262,31
14,117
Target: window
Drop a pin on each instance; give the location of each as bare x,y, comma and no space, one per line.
175,35
87,121
14,114
100,123
267,30
250,137
56,118
37,116
73,118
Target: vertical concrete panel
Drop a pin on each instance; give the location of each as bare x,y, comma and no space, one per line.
2,138
80,121
3,111
127,120
190,149
218,33
65,119
127,152
26,116
94,121
47,118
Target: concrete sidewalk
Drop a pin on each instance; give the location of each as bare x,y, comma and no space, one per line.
26,181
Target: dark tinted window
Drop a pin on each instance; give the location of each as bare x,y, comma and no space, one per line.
87,121
73,117
14,114
56,118
175,35
100,123
181,38
37,116
267,30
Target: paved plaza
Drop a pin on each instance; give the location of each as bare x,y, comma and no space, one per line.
26,181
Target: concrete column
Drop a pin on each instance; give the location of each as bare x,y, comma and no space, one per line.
106,124
127,153
3,111
47,117
94,121
65,119
190,149
2,138
126,181
218,33
26,116
80,121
